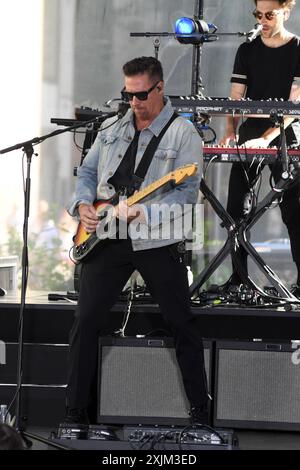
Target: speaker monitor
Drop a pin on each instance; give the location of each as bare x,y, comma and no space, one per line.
43,364
9,272
140,382
257,386
41,405
43,381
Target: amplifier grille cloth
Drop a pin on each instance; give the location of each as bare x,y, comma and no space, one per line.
142,381
258,386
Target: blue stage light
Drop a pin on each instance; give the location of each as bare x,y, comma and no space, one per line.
193,31
185,26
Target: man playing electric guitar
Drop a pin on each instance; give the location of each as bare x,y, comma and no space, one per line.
112,164
109,223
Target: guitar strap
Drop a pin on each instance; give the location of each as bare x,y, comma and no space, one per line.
139,176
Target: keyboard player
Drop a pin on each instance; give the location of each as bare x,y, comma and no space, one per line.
268,67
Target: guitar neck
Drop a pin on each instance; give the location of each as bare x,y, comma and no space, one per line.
148,190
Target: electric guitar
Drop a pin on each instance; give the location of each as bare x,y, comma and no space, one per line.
84,241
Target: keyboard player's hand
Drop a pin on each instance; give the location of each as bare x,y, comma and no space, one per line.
262,142
228,140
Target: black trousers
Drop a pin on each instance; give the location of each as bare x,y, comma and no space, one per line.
103,277
239,187
289,206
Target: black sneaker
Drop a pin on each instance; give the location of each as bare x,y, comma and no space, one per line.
232,284
295,290
199,414
78,416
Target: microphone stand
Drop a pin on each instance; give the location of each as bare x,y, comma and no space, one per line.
27,148
205,37
197,85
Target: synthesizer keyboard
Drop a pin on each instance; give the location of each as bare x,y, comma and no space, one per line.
227,106
232,154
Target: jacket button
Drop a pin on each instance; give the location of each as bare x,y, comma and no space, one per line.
120,156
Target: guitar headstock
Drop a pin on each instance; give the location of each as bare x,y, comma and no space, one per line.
180,174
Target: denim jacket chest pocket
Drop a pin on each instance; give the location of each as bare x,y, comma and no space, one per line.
108,141
112,143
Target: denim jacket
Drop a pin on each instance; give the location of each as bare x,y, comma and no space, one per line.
181,145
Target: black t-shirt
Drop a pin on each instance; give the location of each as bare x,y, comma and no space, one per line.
122,179
268,73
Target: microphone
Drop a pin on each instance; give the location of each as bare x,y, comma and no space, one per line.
254,32
105,115
120,112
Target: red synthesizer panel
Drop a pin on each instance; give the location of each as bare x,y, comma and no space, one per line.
234,154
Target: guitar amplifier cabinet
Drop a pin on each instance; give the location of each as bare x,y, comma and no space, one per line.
139,382
257,385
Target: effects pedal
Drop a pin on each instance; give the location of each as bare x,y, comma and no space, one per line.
72,431
101,434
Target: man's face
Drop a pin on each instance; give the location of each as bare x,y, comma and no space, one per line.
272,26
151,107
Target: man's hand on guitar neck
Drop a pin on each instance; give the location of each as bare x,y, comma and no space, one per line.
88,217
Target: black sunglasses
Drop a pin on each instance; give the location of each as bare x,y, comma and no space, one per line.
269,14
140,95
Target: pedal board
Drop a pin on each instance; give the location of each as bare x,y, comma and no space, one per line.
192,436
161,438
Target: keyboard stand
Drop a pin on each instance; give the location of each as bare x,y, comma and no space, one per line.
238,236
